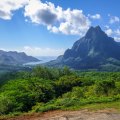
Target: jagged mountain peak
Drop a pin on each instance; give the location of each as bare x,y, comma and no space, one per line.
95,32
95,43
96,28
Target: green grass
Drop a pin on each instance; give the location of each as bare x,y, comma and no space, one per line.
77,104
11,115
97,106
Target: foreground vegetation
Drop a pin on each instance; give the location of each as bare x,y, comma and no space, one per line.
44,89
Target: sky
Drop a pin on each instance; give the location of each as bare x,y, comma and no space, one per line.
49,27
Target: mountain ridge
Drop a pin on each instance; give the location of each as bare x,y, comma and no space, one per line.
92,51
15,58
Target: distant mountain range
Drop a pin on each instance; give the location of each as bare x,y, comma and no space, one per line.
93,51
15,58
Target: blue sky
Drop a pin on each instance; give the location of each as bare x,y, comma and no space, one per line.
48,28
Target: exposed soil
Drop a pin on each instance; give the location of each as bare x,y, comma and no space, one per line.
110,114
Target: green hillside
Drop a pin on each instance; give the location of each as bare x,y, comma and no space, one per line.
44,89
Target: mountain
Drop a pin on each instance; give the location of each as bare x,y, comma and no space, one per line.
93,51
15,58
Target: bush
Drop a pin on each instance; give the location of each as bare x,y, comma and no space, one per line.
21,95
77,92
104,87
66,83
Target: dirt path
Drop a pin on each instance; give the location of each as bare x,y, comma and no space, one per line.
72,115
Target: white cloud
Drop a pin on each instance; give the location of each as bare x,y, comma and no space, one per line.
109,31
37,51
117,39
114,33
56,19
117,32
114,19
8,6
40,13
96,16
106,26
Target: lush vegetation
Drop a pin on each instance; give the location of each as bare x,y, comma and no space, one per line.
44,89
